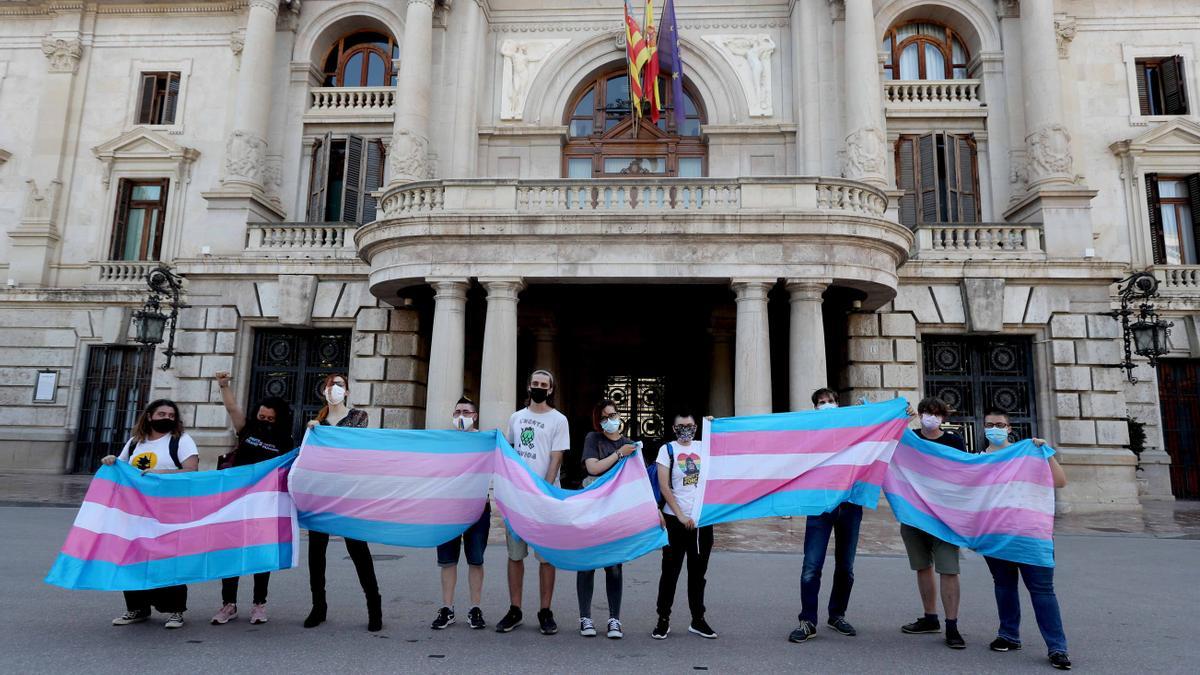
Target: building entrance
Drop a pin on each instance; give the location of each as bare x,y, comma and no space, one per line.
1179,391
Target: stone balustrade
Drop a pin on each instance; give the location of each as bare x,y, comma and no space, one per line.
957,241
931,94
125,272
309,240
350,104
1178,279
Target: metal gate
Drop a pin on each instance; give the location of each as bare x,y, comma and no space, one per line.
115,390
639,400
1179,397
291,364
972,374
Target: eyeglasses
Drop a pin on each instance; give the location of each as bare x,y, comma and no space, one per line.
995,425
614,416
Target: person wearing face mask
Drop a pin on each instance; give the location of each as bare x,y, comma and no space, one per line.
335,413
540,435
843,523
158,445
265,437
679,467
1038,580
464,418
927,553
602,449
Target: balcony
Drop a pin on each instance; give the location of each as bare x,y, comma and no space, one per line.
301,240
350,104
979,241
636,230
923,97
1178,280
123,272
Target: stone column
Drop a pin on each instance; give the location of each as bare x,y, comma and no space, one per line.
498,380
863,103
806,17
752,372
409,152
466,92
720,378
447,351
1047,142
246,147
806,341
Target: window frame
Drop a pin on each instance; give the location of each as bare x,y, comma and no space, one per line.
1154,205
124,204
891,67
161,98
140,67
1131,54
344,54
365,207
952,193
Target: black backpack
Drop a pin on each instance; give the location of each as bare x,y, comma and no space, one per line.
173,445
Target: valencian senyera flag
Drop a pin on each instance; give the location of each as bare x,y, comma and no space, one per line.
136,532
796,464
637,53
650,75
398,487
1000,504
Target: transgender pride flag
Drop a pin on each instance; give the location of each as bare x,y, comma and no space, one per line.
391,486
1000,504
611,521
136,532
796,464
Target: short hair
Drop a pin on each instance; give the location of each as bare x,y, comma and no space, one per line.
683,412
996,412
598,409
823,391
283,411
934,406
464,399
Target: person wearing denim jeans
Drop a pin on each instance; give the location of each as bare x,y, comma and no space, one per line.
842,523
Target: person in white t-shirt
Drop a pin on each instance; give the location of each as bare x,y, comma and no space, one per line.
540,435
158,430
679,467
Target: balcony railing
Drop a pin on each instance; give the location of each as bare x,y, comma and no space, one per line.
351,102
1178,279
955,241
125,271
301,240
919,94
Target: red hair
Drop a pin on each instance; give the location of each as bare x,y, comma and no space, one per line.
325,384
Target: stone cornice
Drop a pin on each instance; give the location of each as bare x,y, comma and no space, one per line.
121,7
1058,272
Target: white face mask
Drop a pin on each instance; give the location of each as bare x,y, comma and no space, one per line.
463,423
826,405
930,422
335,394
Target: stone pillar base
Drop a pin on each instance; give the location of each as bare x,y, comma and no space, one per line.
1097,480
228,212
1065,212
1154,480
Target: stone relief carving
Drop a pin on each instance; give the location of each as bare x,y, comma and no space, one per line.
750,57
409,157
865,153
237,42
273,176
245,155
1018,173
40,204
64,53
1048,151
523,60
1064,32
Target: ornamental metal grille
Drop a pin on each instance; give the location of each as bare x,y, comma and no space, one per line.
639,401
116,388
972,374
291,364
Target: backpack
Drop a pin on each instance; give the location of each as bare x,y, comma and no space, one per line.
652,473
174,450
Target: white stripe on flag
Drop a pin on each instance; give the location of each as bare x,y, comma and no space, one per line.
1015,494
105,520
573,512
358,486
766,467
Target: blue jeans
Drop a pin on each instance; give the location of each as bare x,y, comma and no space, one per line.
472,542
1040,582
842,522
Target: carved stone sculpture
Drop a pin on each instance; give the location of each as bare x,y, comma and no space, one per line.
245,156
63,53
1064,32
409,157
523,59
1048,151
865,153
40,205
750,58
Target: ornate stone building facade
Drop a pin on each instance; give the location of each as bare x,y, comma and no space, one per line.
891,197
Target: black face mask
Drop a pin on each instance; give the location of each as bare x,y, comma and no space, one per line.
266,428
162,425
538,395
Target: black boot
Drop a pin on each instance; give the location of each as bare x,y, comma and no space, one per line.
317,616
374,613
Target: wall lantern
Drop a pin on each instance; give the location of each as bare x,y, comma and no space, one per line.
151,320
1147,334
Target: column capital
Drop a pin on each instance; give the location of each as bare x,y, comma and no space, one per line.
449,288
425,3
271,6
63,52
503,288
752,289
807,289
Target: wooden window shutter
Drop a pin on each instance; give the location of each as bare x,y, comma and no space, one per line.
927,178
120,219
1174,86
906,179
352,180
372,179
1143,89
318,180
952,194
1193,187
1157,244
968,179
155,248
146,105
172,99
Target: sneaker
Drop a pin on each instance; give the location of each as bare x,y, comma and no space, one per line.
444,618
546,622
174,621
841,625
510,620
804,632
614,629
1004,645
475,618
954,639
923,625
1060,660
227,613
661,629
127,618
586,627
258,613
700,627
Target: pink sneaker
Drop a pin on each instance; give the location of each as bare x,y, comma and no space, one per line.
258,613
223,616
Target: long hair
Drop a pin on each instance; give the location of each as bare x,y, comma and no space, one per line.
141,428
283,412
598,410
325,384
553,387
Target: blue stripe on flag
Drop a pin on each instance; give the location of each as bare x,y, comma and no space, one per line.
191,483
1016,548
791,503
71,572
605,555
1024,448
403,440
554,490
392,534
814,420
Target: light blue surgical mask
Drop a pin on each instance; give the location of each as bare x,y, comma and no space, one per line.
610,425
826,406
996,436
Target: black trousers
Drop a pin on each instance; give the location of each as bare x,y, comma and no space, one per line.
168,600
359,553
229,589
695,546
585,585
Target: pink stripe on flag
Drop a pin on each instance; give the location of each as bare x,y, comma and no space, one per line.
1028,469
520,478
88,545
999,520
616,526
796,442
836,477
176,509
428,511
388,463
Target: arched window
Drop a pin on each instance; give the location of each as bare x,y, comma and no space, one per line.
604,139
921,50
362,59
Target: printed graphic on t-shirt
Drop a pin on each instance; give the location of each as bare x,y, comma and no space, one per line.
527,434
145,460
689,465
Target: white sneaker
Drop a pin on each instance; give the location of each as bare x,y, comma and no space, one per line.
586,627
132,616
174,621
614,629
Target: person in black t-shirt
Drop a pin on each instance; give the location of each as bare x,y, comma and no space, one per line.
266,436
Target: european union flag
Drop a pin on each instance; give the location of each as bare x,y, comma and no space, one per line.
669,59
